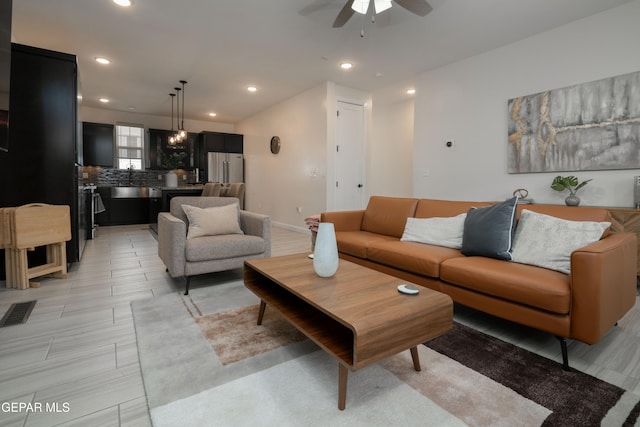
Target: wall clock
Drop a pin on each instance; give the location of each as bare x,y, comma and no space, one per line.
275,144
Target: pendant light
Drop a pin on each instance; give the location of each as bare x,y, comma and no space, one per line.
178,137
181,131
172,137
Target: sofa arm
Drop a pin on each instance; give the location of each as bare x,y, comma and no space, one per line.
255,224
603,285
344,220
172,236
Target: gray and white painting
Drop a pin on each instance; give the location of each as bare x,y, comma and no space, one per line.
591,126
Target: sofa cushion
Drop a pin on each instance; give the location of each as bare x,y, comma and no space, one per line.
209,248
488,231
547,241
524,284
355,243
438,231
212,221
412,257
388,215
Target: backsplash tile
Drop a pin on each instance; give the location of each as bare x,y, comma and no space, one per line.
110,177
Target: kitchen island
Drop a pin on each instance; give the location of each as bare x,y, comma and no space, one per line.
125,205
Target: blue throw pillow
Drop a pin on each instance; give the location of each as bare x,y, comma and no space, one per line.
489,231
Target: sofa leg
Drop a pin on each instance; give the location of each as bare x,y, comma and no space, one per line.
565,355
186,290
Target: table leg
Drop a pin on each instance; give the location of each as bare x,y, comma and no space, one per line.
416,358
343,373
263,305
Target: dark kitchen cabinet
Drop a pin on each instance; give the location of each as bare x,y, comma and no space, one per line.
40,164
123,211
129,211
216,142
98,143
166,156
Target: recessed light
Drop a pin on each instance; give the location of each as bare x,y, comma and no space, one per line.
346,65
103,100
123,3
252,89
411,91
212,114
102,60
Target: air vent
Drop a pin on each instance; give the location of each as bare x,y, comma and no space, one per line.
17,314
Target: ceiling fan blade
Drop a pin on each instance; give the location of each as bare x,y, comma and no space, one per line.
419,7
345,14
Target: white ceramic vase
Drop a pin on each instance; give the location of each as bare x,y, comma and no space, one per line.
171,179
325,254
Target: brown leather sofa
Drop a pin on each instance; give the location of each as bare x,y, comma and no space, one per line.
582,305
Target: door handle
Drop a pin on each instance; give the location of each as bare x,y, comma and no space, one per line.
359,185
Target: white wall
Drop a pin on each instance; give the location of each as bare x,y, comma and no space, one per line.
389,172
277,185
467,101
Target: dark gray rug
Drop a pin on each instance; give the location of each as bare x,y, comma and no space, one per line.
574,398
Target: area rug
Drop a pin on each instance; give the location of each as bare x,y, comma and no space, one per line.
205,362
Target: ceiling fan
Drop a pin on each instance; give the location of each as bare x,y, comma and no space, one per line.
419,7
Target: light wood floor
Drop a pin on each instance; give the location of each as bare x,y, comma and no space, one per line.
78,348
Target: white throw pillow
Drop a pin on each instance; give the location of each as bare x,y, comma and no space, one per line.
547,241
212,221
435,231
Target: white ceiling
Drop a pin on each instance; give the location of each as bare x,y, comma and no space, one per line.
282,46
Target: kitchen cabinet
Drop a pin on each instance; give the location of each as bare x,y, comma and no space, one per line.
123,210
40,164
97,143
166,156
216,142
221,142
129,211
155,207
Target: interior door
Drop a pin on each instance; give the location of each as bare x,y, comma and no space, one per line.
349,161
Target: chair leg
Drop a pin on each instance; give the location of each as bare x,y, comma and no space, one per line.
186,291
565,355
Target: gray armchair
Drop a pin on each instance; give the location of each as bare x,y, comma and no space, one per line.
208,254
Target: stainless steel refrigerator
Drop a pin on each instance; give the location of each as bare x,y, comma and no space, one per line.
225,167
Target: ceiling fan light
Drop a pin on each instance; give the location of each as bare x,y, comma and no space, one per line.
382,5
360,6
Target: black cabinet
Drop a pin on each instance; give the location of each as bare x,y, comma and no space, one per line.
129,211
40,164
98,143
166,156
216,142
155,207
123,211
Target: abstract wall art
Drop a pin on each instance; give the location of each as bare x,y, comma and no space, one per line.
590,126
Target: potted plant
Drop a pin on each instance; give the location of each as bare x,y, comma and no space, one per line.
571,183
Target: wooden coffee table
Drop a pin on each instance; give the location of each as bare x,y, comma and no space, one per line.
357,316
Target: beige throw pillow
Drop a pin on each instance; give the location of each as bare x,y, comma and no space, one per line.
438,231
212,221
547,241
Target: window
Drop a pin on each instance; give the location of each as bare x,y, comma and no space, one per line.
129,146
